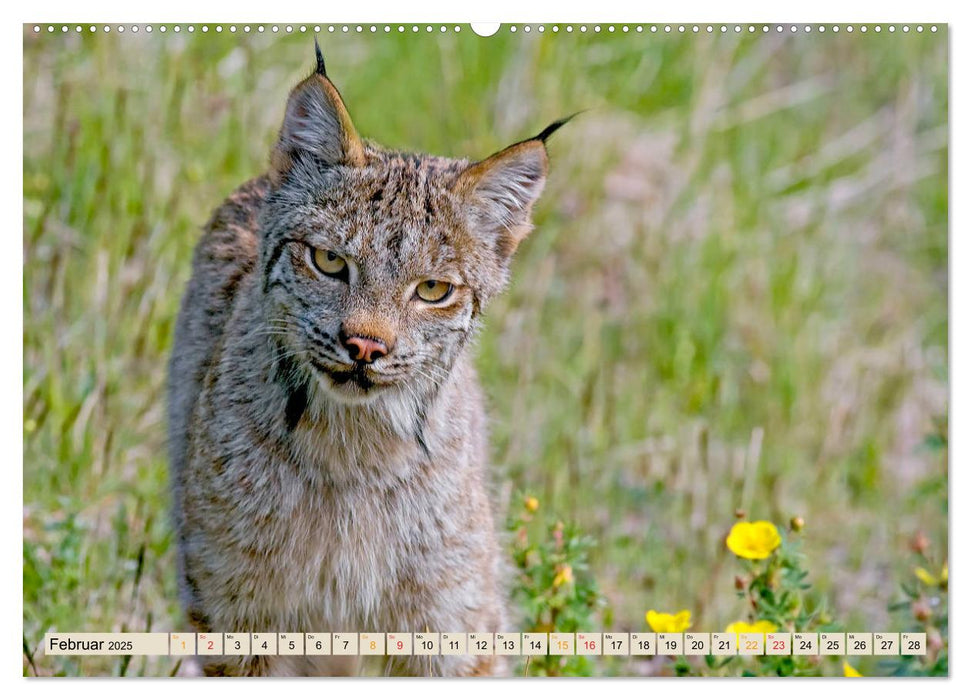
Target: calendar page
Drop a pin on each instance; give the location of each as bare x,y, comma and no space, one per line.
496,350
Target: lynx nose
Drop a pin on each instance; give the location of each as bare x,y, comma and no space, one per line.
363,349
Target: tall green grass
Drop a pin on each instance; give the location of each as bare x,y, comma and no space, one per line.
735,297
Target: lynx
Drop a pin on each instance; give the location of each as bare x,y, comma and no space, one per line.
327,433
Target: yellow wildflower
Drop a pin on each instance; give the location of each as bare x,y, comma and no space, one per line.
666,622
925,576
929,579
850,672
753,540
742,627
563,576
532,504
764,626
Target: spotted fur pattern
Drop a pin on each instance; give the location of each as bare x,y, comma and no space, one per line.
313,493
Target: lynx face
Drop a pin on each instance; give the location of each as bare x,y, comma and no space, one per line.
372,279
375,264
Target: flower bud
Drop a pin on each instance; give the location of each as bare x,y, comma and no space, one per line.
919,544
740,583
797,524
532,504
740,513
921,610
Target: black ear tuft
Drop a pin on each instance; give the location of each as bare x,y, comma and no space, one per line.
316,122
552,128
321,68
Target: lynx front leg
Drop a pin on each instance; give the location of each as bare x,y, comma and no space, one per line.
472,606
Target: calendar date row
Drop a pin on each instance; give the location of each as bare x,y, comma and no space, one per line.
487,643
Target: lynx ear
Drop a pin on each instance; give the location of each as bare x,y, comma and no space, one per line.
500,191
317,123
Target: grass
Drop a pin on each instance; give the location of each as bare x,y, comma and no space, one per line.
735,297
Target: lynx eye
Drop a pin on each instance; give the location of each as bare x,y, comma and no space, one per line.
330,263
433,290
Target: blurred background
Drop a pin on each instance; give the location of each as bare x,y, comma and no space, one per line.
735,296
